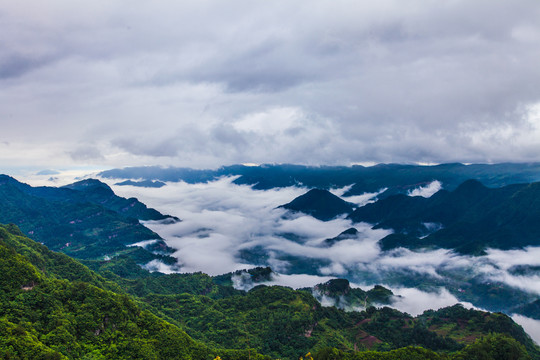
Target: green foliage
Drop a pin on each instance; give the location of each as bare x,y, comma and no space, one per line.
491,347
494,347
257,275
348,298
406,353
51,264
20,342
285,323
16,272
53,307
469,322
44,317
85,221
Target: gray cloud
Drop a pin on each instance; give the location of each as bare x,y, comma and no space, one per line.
17,65
86,152
380,82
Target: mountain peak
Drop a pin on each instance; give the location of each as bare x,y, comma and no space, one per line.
350,233
93,188
334,287
470,186
89,184
320,204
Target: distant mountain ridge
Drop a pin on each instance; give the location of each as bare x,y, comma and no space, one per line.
469,219
397,178
143,183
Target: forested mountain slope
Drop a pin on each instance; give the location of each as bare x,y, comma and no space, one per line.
85,219
287,323
54,307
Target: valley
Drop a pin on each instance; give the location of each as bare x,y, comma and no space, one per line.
231,264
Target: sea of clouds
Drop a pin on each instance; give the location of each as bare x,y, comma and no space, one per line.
227,227
221,221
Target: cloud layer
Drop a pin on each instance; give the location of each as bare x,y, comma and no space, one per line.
208,83
228,227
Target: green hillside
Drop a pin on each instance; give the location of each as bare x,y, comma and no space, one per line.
85,220
53,307
287,323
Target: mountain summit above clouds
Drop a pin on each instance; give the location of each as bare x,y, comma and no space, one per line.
320,204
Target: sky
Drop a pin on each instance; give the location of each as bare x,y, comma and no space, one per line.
102,84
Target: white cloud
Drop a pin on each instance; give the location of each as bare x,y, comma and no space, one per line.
144,243
415,302
275,121
244,282
156,265
530,283
428,190
359,200
531,326
297,281
508,258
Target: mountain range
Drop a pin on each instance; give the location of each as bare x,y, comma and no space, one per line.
395,178
468,220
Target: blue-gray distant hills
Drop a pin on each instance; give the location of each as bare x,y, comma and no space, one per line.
143,183
85,219
350,233
397,178
469,219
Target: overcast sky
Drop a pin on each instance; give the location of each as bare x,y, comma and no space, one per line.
206,83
